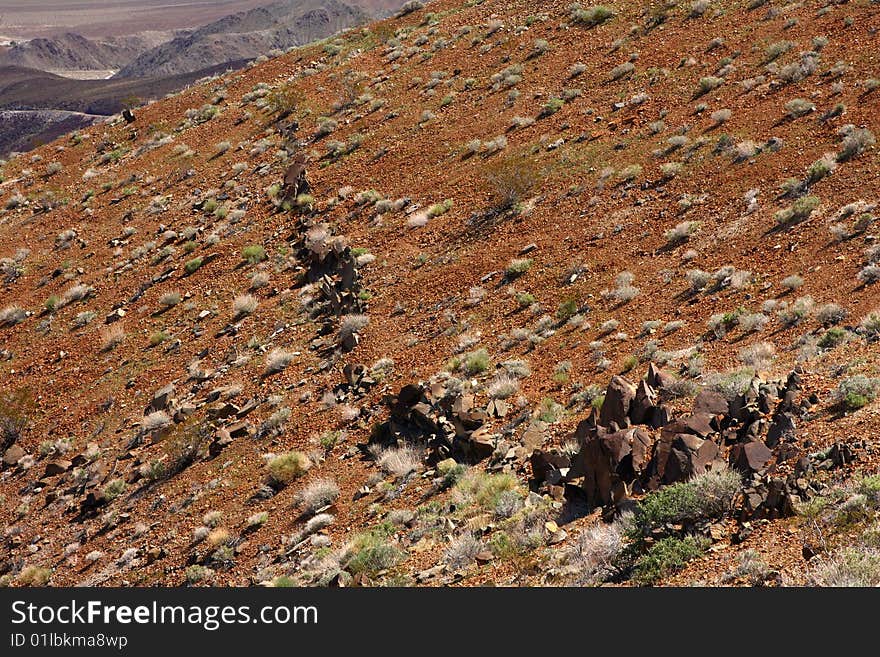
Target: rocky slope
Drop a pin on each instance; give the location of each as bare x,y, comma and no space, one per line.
481,293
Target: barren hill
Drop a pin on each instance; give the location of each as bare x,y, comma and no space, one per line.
487,292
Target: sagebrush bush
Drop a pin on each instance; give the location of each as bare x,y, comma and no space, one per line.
277,360
855,142
34,576
591,558
12,315
798,107
170,299
707,495
512,179
503,386
682,232
869,326
462,551
759,356
792,282
244,304
317,494
857,391
112,337
352,324
398,461
855,566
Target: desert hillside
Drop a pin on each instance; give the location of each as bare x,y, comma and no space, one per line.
484,293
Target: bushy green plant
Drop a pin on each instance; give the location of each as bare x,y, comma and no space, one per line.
857,391
667,556
286,467
371,552
707,495
253,254
482,489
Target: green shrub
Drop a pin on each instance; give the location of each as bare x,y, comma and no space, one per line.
854,392
192,266
286,467
567,309
798,211
439,209
197,573
667,556
482,489
552,106
549,410
114,489
476,362
371,552
253,254
709,83
525,299
833,337
451,472
590,17
517,267
705,496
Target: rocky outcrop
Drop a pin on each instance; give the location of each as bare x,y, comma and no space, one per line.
635,445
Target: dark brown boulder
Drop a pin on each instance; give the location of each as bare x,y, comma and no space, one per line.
295,182
478,446
657,416
750,457
161,399
544,463
657,378
56,467
618,397
699,424
13,455
641,405
710,403
410,394
641,444
680,457
781,429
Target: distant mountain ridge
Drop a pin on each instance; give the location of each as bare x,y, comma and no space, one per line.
72,51
248,34
149,64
